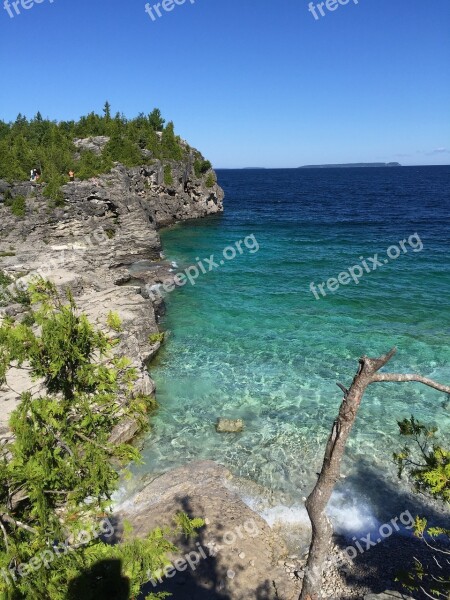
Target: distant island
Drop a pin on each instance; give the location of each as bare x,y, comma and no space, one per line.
352,165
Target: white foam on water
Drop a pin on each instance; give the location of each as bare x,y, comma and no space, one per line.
351,514
286,515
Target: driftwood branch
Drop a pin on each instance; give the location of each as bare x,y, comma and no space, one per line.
317,501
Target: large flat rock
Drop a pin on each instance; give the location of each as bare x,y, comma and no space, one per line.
235,555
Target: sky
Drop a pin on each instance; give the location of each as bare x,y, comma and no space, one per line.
250,83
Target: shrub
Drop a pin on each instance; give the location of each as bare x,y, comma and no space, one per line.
210,180
53,189
154,338
114,322
17,205
61,460
168,177
201,167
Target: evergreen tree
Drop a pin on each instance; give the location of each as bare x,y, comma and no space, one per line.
107,111
170,145
56,473
156,121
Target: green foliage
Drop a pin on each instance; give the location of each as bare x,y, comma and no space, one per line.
91,164
156,121
170,144
188,526
14,295
168,177
427,463
7,253
17,205
210,180
428,466
114,322
53,189
154,338
56,472
48,146
201,167
5,279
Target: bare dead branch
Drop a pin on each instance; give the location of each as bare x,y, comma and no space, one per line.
399,378
343,388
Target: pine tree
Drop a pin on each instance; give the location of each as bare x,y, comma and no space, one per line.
107,111
156,121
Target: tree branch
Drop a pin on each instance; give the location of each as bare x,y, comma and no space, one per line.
8,519
399,378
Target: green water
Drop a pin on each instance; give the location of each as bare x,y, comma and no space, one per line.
249,340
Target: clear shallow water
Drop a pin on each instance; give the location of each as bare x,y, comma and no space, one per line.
250,340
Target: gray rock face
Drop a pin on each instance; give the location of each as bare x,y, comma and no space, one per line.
93,144
106,224
229,425
236,555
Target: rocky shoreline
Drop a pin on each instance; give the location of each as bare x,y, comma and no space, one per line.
106,225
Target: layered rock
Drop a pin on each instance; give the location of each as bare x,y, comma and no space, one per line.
106,224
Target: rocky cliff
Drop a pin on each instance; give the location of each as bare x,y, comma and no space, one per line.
106,225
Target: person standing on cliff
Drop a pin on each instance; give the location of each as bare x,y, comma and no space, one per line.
71,176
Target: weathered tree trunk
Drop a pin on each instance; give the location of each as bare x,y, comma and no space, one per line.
331,469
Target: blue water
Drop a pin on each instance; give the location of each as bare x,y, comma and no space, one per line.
250,340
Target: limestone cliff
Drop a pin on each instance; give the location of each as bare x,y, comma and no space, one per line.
106,224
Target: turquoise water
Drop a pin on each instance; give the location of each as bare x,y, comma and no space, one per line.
250,340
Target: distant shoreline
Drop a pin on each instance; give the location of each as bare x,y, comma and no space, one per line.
352,166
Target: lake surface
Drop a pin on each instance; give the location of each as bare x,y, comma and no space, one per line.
252,340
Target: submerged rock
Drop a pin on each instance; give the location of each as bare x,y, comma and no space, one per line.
229,425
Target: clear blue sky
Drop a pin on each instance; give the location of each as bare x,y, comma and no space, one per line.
248,82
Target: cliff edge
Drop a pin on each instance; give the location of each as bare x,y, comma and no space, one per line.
105,225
